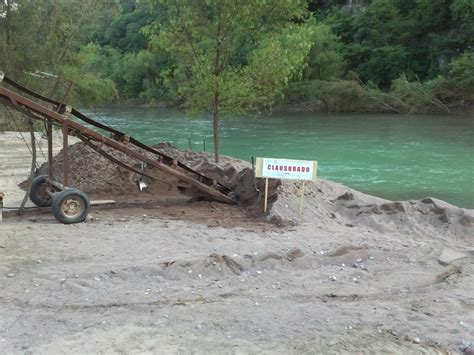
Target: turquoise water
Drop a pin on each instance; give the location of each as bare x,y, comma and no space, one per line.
392,156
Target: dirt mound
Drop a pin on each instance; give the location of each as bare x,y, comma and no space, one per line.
98,176
330,202
325,201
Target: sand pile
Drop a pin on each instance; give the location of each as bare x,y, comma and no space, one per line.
96,175
325,201
333,203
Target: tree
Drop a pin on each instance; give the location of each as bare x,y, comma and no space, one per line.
50,41
231,56
325,60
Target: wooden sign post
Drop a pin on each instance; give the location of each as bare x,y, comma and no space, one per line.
270,168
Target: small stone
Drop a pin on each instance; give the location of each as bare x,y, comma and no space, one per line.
355,280
343,265
294,254
417,340
38,261
359,260
25,346
259,272
327,320
465,345
10,275
190,271
257,304
332,278
371,257
449,255
97,278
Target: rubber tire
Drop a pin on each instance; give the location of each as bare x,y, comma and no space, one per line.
60,197
34,195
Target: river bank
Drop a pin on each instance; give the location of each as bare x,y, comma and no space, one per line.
352,273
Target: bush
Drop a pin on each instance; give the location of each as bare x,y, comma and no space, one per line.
336,96
416,97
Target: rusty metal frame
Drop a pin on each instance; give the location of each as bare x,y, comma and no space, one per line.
165,158
205,185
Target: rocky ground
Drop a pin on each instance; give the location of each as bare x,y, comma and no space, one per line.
351,274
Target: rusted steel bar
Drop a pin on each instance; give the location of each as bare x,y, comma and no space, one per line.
165,158
18,102
49,128
65,153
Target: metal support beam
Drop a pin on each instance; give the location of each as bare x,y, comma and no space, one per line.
65,153
21,103
49,129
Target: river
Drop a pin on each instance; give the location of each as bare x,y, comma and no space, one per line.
397,157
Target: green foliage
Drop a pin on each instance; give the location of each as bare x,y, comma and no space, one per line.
405,55
394,37
463,13
416,97
88,76
231,56
334,96
461,71
325,60
46,35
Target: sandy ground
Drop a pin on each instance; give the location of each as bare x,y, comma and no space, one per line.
353,274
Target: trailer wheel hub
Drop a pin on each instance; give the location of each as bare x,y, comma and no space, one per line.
73,207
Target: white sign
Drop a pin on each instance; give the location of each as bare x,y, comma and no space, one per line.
286,169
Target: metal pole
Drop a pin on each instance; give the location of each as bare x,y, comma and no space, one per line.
50,149
65,153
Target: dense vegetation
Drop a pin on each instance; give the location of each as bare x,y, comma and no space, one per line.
380,55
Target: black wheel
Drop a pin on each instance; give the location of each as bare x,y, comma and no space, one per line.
71,206
38,192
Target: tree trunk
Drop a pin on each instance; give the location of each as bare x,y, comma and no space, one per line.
33,165
7,25
215,121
